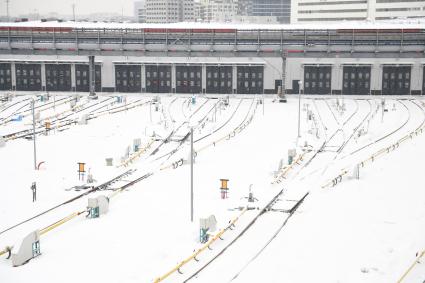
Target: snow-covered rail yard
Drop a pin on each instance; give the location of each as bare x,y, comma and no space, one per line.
340,199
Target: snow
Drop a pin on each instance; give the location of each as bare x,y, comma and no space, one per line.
385,24
366,230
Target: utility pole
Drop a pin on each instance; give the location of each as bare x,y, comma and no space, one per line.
7,10
299,106
73,11
33,129
263,102
191,174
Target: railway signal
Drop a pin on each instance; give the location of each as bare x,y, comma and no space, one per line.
81,171
34,191
224,189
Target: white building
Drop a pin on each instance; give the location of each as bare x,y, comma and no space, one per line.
220,10
169,11
337,10
140,11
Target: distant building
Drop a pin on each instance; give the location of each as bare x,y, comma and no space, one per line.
220,10
281,9
337,10
169,11
140,11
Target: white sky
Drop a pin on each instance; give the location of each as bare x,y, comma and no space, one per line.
64,7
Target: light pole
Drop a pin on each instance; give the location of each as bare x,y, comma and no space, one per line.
191,174
73,12
33,129
299,106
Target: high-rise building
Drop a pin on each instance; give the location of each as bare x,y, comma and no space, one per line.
169,11
220,10
140,11
281,9
337,10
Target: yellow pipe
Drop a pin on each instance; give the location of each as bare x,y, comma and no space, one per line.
60,222
5,251
212,240
411,267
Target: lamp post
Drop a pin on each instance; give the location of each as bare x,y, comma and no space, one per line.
299,106
33,129
191,174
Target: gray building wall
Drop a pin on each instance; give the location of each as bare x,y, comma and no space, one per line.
272,67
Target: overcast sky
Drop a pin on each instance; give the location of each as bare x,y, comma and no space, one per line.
64,7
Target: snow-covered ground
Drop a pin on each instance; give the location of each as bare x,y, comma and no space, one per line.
361,230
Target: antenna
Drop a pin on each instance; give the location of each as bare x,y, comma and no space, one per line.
7,10
73,11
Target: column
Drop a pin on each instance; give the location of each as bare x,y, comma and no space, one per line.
173,78
204,78
336,79
13,75
143,77
73,79
43,76
416,79
376,79
235,79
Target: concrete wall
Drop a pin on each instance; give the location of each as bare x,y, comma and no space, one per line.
272,67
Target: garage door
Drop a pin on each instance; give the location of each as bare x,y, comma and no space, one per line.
82,77
396,80
158,78
28,77
5,76
188,79
58,77
317,79
128,78
356,80
250,79
219,79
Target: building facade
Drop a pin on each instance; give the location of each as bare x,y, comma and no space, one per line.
337,10
352,59
220,10
140,11
281,9
169,11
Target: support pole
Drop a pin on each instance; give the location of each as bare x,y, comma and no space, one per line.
33,129
191,174
299,107
92,77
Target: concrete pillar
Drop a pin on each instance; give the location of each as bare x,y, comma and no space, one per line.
336,78
91,75
204,78
43,76
421,77
376,79
235,79
416,78
143,77
173,78
13,74
73,79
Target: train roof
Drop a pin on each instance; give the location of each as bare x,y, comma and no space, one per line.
418,23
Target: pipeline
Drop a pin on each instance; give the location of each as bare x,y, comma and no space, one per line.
200,250
334,181
411,266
